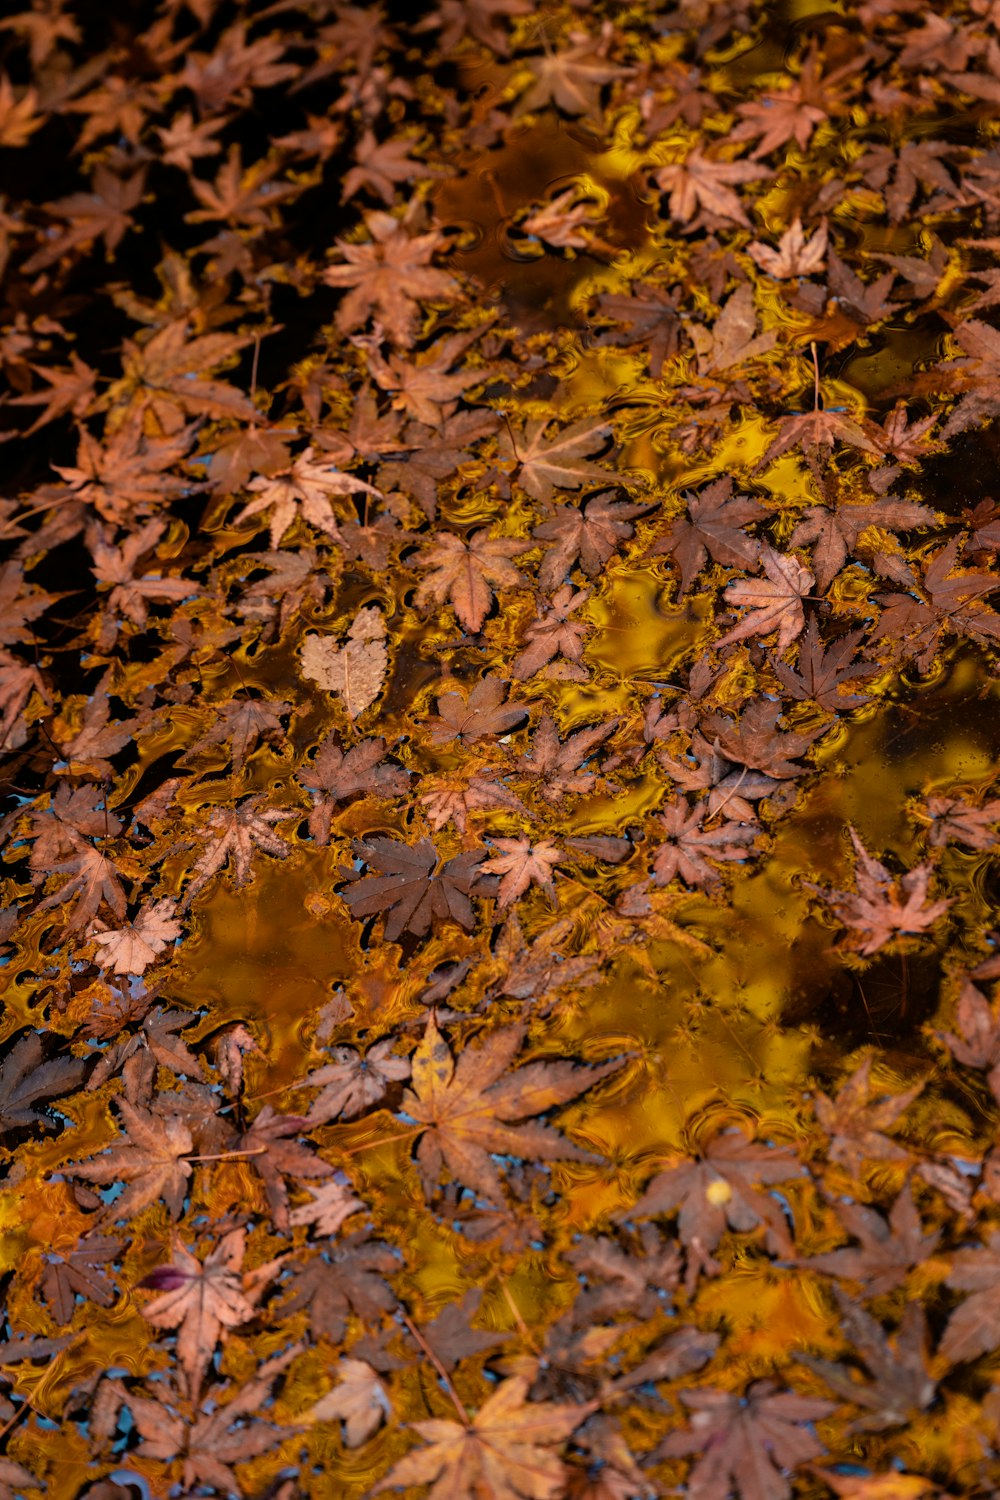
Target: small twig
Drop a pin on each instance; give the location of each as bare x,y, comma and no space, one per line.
812,346
443,1375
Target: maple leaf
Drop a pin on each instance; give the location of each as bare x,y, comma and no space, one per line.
201,1299
467,573
777,119
302,488
796,254
902,1385
332,1203
856,1124
817,429
978,1046
94,879
78,1274
222,1435
468,1111
883,906
127,474
689,847
354,669
746,1443
18,604
130,949
506,1450
557,764
974,1326
718,1190
545,464
104,213
451,1335
242,721
956,821
551,633
520,864
150,1163
273,1156
887,1249
733,338
347,1278
453,798
774,603
592,534
836,532
336,774
475,18
352,1083
164,376
483,713
390,277
359,1399
571,80
699,182
434,455
410,887
713,527
646,318
234,832
823,669
26,1079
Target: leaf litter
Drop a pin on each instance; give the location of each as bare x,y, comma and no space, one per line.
498,696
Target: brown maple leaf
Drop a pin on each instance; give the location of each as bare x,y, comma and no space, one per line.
689,846
79,1273
552,633
591,534
335,774
389,277
713,527
746,1443
557,765
359,1399
796,254
453,798
562,462
468,1112
303,488
202,1299
978,1046
732,339
466,573
350,1279
27,1079
823,669
241,721
884,906
352,1083
130,949
887,1249
521,863
218,1436
411,889
233,833
836,531
572,79
483,713
902,1385
856,1124
150,1163
955,821
974,1326
506,1450
774,603
699,182
722,1188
